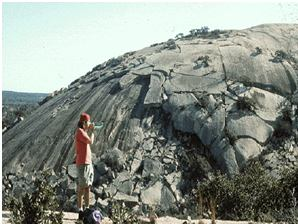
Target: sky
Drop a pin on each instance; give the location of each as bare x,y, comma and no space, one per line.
45,46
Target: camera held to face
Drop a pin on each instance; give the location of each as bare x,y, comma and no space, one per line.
96,125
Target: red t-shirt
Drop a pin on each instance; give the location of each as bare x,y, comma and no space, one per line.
82,144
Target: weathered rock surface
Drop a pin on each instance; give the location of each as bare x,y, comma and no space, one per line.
266,104
154,94
152,195
239,125
245,149
166,106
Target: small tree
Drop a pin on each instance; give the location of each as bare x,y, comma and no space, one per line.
193,32
204,30
179,36
170,44
37,207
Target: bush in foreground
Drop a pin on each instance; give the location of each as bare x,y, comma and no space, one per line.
38,206
119,213
251,195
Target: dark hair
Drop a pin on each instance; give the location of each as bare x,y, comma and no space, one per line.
80,124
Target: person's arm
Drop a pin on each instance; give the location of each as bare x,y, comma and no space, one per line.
92,137
84,137
90,133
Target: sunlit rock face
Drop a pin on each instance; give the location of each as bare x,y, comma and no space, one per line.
206,102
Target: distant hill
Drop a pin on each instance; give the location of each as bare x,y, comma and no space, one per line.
18,104
11,97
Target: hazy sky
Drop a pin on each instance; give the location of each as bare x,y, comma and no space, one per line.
45,46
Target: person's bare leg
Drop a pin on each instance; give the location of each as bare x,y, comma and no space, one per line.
87,197
80,194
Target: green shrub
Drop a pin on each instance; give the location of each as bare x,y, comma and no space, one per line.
179,36
119,213
203,33
280,56
284,124
171,45
37,207
215,33
202,61
257,51
199,32
244,103
204,30
251,195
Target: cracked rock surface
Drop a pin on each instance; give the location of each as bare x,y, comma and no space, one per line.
172,115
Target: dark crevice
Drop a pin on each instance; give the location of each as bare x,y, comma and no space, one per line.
138,109
204,75
264,86
194,158
115,89
168,185
178,48
291,80
223,66
247,136
161,71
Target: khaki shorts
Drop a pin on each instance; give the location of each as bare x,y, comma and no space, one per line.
85,175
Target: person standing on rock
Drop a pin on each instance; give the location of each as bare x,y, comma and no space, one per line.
84,137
